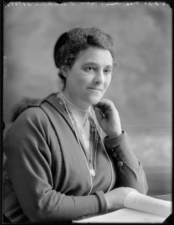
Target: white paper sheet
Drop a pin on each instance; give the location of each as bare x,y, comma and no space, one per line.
124,216
144,203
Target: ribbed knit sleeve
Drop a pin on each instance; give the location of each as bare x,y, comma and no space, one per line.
29,161
103,205
130,169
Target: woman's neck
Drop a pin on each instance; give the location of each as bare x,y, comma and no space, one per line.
80,111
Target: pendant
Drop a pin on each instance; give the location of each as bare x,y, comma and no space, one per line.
86,144
92,172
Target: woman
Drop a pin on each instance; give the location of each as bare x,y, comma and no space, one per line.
67,156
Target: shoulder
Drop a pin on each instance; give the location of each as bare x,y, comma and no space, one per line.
32,126
31,116
30,109
30,122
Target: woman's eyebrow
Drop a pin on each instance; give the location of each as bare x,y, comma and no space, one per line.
91,63
96,64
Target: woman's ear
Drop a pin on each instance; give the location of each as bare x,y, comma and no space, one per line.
64,71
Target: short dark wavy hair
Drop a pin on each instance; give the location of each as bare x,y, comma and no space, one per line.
69,45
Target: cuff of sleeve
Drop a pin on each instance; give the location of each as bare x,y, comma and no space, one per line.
112,142
121,147
103,205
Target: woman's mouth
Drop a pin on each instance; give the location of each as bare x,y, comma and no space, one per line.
95,89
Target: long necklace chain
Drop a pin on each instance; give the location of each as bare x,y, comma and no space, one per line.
81,129
91,170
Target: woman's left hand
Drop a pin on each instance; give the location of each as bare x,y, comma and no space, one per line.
108,117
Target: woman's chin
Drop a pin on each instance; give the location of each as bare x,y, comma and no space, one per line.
94,100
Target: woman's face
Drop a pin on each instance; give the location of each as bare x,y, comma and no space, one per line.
89,77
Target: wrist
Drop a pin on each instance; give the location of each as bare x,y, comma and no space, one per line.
107,202
114,134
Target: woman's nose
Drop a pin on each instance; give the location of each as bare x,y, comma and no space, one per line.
99,77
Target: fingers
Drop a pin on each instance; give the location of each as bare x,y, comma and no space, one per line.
98,114
105,105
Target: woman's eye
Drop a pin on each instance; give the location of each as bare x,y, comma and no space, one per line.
90,68
107,71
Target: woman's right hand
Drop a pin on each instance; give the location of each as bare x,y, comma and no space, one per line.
115,198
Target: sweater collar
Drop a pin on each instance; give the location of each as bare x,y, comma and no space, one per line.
58,105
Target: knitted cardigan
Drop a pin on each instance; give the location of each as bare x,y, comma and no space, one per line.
47,174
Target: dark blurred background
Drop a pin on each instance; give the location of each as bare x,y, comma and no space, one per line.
141,88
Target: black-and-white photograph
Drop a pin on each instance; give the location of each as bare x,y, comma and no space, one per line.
87,112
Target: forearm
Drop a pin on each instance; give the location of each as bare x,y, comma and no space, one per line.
129,168
57,207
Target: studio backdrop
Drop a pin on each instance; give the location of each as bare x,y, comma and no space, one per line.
140,88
